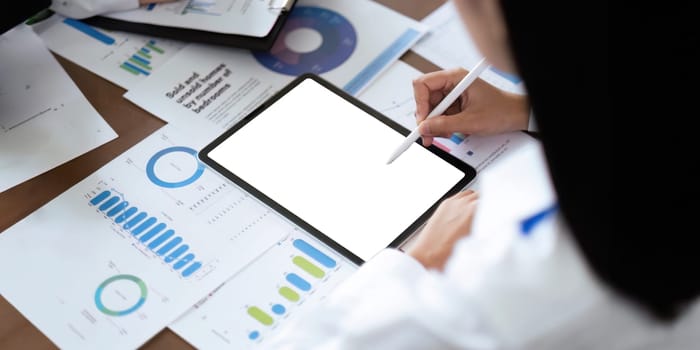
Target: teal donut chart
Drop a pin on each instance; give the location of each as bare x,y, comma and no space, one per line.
136,306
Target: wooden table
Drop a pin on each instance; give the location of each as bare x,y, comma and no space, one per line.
132,124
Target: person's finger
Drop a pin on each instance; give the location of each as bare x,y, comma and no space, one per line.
427,140
430,88
423,94
464,197
434,99
467,193
440,126
455,107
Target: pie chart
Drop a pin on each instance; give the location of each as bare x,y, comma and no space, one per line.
313,40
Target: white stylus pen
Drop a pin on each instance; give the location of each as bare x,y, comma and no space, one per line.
442,106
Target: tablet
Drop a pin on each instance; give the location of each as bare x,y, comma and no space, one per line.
319,156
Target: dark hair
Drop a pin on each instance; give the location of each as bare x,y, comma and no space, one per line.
561,51
21,11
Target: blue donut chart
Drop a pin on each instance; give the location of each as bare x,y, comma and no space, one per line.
339,41
150,168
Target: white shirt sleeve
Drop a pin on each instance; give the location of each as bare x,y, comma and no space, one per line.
80,9
392,302
517,281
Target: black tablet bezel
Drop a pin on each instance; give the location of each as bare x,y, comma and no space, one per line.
468,171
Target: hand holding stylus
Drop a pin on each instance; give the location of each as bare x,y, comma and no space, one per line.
442,106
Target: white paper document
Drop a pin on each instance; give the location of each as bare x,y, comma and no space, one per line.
123,58
207,89
45,120
448,44
250,18
119,256
288,280
392,95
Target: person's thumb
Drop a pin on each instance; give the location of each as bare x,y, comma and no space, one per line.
439,126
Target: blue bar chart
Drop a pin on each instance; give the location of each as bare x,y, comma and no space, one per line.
298,282
140,62
457,138
147,230
296,274
314,253
90,31
309,267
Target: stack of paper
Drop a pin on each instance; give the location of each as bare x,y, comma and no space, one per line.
46,121
153,232
130,249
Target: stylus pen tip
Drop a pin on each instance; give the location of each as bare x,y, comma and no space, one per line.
396,154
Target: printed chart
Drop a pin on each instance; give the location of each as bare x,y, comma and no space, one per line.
281,285
149,231
133,294
122,58
208,7
208,88
314,40
141,240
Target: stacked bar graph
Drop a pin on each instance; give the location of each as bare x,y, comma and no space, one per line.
310,266
155,235
140,62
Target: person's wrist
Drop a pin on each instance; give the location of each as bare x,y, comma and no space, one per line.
429,258
515,111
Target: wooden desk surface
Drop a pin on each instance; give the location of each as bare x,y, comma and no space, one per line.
132,124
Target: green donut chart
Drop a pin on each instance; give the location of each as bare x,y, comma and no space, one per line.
107,311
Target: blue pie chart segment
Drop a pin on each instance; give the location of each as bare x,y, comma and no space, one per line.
186,172
332,37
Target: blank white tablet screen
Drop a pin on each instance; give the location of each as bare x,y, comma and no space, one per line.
324,160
